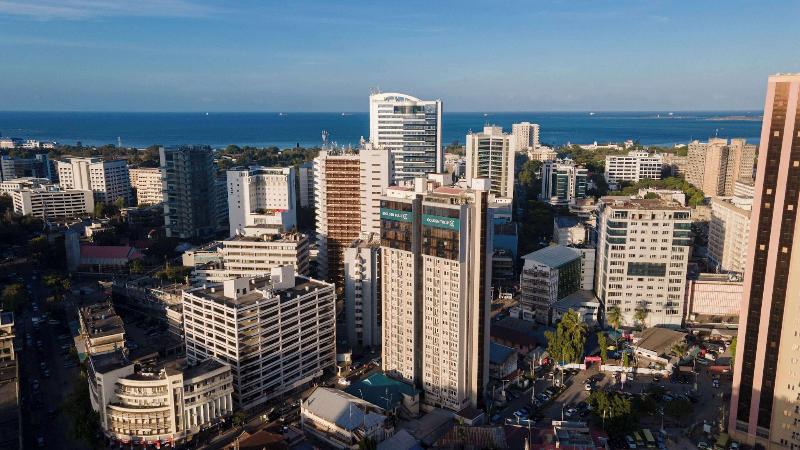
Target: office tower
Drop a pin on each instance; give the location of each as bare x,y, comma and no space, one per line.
147,185
524,136
633,167
435,286
278,333
337,193
254,253
375,173
362,291
642,256
261,196
305,177
190,191
348,187
728,233
548,275
108,180
411,129
51,203
716,165
36,167
489,155
563,182
765,406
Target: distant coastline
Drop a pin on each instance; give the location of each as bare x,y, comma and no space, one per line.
736,118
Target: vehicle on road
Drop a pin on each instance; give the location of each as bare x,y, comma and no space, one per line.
629,441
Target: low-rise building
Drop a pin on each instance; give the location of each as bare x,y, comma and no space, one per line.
656,344
101,329
502,360
393,396
714,298
568,230
548,275
582,302
52,203
277,333
342,420
633,167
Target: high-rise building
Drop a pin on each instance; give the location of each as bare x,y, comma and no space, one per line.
278,333
348,187
563,182
37,197
489,155
642,258
633,167
191,207
524,136
716,165
765,405
108,180
305,177
436,269
409,128
337,193
728,233
261,196
362,291
147,185
36,167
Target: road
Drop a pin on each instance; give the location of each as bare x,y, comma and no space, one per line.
41,407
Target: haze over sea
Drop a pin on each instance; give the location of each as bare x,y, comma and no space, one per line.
305,129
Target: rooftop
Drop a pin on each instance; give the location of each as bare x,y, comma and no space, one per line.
659,340
553,256
576,299
566,221
100,320
620,202
498,354
341,408
381,391
261,288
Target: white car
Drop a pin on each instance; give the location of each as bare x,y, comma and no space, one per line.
588,386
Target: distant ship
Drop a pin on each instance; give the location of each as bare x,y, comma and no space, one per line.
591,113
281,114
206,113
345,114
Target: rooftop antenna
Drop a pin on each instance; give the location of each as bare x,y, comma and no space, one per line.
325,135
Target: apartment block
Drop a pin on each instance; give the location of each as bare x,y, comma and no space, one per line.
191,208
409,128
305,177
548,275
728,233
147,184
375,172
436,269
261,196
362,291
543,153
765,404
716,165
633,167
524,136
490,156
51,203
108,180
37,167
643,252
563,182
278,333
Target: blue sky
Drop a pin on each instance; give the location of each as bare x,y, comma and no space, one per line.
193,55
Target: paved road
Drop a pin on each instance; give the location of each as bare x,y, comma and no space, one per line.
41,414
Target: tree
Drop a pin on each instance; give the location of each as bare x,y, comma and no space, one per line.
529,174
99,209
119,203
12,297
614,410
367,443
566,344
626,359
640,316
238,418
77,406
679,409
602,341
614,317
679,349
732,351
136,266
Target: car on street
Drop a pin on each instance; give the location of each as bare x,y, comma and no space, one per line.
587,386
629,441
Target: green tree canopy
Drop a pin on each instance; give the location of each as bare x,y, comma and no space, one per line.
614,317
13,296
566,343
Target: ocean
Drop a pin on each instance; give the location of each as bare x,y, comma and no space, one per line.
305,129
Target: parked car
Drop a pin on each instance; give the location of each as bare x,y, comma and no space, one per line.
630,442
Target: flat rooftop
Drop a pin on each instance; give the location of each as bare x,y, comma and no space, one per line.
553,256
301,286
618,202
101,320
659,340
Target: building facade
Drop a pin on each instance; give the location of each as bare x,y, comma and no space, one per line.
633,167
548,275
305,178
563,182
716,165
765,406
489,155
190,191
277,333
643,253
435,286
52,203
375,173
261,196
362,291
108,180
37,167
409,128
147,185
728,233
524,136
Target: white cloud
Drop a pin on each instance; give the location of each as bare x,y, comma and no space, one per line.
90,9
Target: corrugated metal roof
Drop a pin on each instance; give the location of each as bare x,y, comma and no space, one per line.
554,256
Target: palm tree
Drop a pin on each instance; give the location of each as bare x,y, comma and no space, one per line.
614,317
640,316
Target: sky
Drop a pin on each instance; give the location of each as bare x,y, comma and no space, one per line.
293,55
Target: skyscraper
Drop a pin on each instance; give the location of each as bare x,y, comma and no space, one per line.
435,287
524,136
765,402
489,155
190,191
411,129
716,165
108,180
